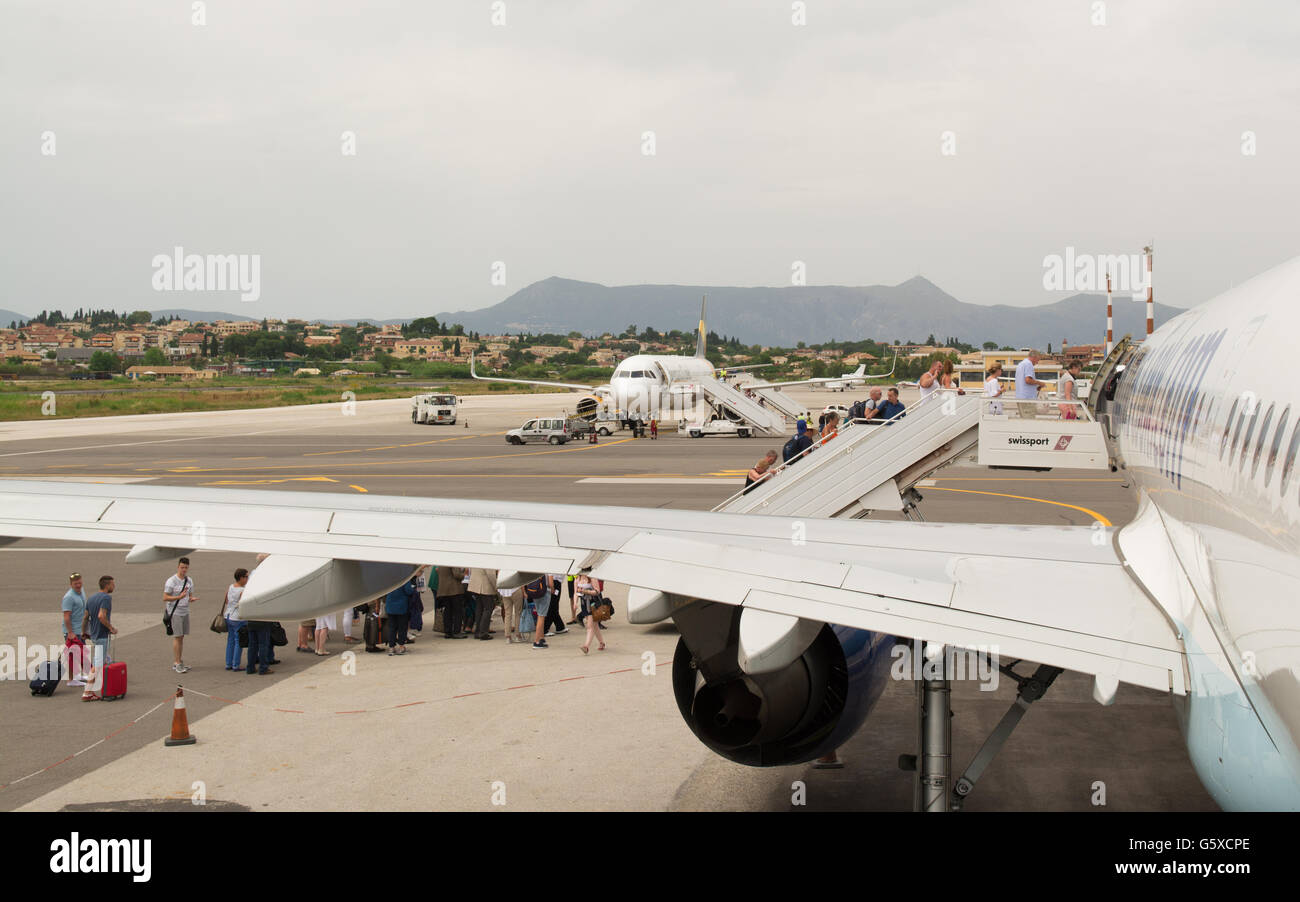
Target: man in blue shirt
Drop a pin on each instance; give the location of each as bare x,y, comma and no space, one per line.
890,407
74,611
99,609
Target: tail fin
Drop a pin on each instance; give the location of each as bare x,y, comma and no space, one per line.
861,370
700,339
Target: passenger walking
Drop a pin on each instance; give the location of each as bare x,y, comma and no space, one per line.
236,591
259,647
799,443
451,591
993,388
892,406
1028,385
539,594
324,623
830,428
760,470
589,591
512,603
99,609
75,633
930,380
397,605
483,586
1067,392
178,592
871,410
554,619
654,428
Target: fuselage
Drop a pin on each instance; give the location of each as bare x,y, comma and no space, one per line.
1207,424
642,384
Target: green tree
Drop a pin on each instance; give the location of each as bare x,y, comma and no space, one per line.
105,361
990,345
155,357
139,318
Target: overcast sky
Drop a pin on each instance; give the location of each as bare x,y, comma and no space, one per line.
523,143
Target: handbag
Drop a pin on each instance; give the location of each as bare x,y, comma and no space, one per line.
218,624
278,636
167,617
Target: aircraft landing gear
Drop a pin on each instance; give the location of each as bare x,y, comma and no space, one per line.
933,788
911,498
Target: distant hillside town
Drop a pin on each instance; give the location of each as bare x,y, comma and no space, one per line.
136,345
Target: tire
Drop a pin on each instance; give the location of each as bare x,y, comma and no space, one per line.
553,440
603,431
413,419
514,440
453,421
744,433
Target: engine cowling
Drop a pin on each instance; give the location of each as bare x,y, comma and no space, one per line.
788,716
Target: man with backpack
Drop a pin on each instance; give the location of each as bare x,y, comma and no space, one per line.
799,443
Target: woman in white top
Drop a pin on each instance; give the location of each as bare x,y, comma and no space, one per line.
1065,391
233,594
993,388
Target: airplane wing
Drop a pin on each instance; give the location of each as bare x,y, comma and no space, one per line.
1050,594
526,381
820,380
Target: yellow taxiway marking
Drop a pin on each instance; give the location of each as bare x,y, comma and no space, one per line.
436,441
358,488
271,481
263,457
1026,479
381,463
1091,513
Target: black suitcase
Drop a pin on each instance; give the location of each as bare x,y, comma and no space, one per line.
47,678
370,631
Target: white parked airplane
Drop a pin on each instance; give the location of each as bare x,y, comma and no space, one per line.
787,625
651,385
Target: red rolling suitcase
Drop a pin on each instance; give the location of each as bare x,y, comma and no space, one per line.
114,684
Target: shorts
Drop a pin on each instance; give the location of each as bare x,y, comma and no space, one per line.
543,605
308,624
327,622
181,624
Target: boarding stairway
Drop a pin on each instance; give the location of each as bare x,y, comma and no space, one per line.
739,406
779,400
870,466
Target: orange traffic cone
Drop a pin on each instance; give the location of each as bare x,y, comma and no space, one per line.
180,723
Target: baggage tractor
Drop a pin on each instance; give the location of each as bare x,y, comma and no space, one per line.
47,678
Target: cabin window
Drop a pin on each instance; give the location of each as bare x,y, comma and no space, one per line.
1276,446
1236,433
1251,418
1227,428
1259,444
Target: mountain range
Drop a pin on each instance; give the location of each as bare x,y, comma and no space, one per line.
779,316
784,316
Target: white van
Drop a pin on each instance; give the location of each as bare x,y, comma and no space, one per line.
554,430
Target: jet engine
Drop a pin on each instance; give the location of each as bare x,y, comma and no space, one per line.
794,714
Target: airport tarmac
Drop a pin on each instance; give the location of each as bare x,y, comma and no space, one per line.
461,725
